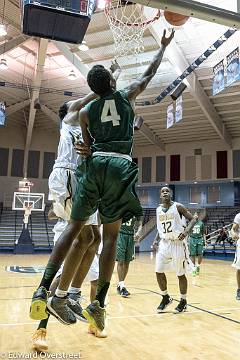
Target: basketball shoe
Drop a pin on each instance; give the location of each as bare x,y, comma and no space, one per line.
238,295
73,302
166,300
123,292
58,307
182,306
96,332
39,342
39,303
95,315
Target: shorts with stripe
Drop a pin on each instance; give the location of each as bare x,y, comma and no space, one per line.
236,262
173,255
62,186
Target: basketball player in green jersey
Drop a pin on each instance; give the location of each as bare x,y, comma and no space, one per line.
127,236
107,185
196,244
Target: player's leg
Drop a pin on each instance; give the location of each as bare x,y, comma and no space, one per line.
122,270
236,265
58,304
39,342
129,256
95,312
121,263
89,268
238,284
180,264
199,255
193,253
39,300
162,262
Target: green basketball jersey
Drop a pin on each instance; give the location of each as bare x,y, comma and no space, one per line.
198,230
128,227
111,122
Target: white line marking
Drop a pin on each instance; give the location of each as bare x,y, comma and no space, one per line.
132,316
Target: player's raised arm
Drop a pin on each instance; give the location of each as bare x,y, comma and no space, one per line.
139,85
77,105
83,119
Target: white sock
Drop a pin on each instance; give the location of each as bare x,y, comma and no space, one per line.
165,292
121,284
184,297
61,293
74,290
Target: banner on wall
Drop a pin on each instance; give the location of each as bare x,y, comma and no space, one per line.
218,79
170,116
2,113
179,109
233,67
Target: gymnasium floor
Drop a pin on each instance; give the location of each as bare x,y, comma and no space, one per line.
209,330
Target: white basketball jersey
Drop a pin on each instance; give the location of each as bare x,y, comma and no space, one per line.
66,155
169,224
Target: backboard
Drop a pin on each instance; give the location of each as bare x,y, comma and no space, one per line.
34,201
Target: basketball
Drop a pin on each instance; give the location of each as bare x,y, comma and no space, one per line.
175,19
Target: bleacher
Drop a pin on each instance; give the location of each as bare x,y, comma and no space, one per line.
11,224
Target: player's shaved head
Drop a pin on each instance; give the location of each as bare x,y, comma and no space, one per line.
99,80
165,194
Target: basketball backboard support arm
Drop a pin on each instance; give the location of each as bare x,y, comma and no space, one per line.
196,9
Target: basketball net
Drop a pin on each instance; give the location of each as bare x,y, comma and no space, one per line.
127,23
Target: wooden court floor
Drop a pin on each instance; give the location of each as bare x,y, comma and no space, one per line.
209,330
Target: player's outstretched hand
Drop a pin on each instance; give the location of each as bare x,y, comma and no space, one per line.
166,40
82,149
114,66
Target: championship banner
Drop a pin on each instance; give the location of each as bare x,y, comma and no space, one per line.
218,79
179,109
170,116
2,113
233,66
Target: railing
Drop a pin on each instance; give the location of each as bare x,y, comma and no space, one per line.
213,234
147,228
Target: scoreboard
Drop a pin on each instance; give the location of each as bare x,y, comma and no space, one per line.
63,20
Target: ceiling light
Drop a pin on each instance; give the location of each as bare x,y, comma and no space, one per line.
3,30
72,75
3,64
83,46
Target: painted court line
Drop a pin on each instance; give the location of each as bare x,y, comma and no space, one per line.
136,316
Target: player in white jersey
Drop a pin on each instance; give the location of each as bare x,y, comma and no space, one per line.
172,250
235,232
62,184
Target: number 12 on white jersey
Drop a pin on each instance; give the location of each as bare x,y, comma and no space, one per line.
109,113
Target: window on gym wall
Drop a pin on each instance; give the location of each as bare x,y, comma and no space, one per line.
195,195
213,194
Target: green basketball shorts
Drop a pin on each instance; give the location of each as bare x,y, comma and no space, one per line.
196,246
107,184
125,247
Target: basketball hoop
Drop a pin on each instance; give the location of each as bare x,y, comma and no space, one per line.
127,23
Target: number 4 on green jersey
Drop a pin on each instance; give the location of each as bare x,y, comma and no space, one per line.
109,113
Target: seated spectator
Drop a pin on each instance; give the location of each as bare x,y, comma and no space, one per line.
222,236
